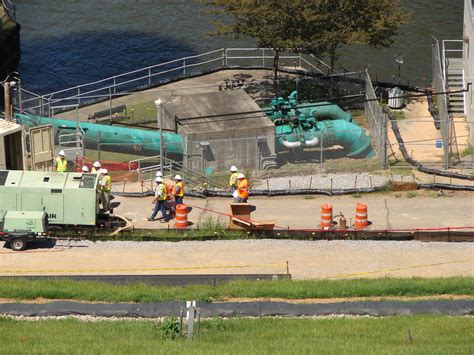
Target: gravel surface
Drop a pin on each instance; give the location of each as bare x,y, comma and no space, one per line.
307,259
324,181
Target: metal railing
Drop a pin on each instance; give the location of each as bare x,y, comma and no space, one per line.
10,8
377,122
170,168
155,75
439,83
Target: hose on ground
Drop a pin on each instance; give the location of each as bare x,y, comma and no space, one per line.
417,164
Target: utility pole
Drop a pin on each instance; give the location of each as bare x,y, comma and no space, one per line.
159,114
6,96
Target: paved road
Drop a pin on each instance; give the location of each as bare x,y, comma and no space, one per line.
386,211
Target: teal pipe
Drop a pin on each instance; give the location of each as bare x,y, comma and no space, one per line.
115,138
326,134
324,111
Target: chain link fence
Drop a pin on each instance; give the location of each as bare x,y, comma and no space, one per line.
441,108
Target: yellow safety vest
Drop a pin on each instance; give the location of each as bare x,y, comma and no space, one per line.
106,183
93,170
61,165
181,189
233,181
160,192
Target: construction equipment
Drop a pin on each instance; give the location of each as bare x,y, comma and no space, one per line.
19,227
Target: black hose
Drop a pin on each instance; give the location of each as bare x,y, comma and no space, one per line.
417,164
432,110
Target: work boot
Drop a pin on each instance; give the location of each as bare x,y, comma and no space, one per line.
149,219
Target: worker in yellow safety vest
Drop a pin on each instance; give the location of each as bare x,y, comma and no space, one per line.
159,200
96,167
105,185
178,191
61,162
242,189
233,182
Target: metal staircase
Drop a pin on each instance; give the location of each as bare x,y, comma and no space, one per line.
454,76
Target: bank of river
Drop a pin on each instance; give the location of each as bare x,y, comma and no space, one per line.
69,42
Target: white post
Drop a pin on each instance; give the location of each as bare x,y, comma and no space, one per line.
159,114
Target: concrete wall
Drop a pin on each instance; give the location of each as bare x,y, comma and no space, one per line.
468,59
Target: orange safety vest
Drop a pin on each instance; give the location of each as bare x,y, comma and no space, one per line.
61,165
243,189
181,189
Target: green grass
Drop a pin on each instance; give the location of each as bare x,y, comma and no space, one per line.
467,151
403,334
95,291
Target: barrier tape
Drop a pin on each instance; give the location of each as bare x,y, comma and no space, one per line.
399,269
3,271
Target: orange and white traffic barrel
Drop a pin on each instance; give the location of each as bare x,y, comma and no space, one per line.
326,216
181,216
361,216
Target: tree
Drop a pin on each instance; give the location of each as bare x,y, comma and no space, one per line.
277,24
314,26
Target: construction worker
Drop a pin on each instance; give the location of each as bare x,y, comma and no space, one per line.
159,200
105,185
242,189
178,191
85,169
61,162
233,181
96,167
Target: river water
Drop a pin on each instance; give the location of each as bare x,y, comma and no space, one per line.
69,42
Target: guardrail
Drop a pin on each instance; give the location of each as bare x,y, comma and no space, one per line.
155,75
10,8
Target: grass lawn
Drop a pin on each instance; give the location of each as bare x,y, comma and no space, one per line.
95,291
416,334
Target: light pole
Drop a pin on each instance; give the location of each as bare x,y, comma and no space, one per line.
159,114
399,61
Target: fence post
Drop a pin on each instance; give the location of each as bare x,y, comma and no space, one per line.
115,85
149,76
263,56
78,95
301,63
184,66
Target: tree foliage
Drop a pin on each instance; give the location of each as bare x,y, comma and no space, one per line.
320,27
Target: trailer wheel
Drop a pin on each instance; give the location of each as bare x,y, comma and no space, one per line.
18,244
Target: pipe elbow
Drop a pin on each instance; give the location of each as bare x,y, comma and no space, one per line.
312,142
291,145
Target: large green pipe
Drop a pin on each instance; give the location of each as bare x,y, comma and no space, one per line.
115,138
328,133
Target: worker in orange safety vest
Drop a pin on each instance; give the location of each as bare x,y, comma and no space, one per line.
242,189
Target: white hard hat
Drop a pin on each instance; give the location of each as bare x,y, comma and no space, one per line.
158,173
177,177
85,169
104,171
241,176
159,179
233,168
96,164
61,152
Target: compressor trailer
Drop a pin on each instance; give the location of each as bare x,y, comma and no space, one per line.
69,200
19,227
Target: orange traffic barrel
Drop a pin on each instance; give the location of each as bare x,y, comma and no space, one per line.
361,217
326,216
181,216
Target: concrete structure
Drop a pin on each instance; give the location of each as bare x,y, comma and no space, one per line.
67,198
12,146
221,129
468,63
